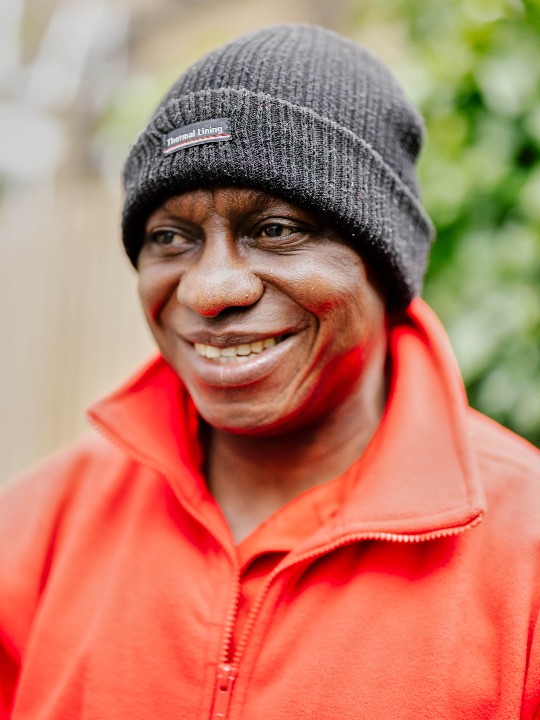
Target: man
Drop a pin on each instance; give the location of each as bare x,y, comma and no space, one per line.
291,512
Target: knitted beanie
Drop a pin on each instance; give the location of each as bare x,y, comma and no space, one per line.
302,113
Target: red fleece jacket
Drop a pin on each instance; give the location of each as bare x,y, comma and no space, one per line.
119,580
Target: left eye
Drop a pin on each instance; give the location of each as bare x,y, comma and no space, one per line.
276,231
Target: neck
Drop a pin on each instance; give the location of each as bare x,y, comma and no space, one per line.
252,477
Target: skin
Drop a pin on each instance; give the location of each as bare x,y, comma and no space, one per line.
224,267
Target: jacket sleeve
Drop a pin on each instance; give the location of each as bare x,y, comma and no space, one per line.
31,508
23,549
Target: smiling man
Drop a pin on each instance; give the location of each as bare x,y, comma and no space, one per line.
291,512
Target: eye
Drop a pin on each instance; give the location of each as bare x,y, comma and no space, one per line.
282,234
165,237
167,240
275,230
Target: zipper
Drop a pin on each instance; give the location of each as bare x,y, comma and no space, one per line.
226,675
227,672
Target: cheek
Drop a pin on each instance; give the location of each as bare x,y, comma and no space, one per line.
155,289
340,292
352,324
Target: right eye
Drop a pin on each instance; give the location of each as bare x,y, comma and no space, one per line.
165,237
168,239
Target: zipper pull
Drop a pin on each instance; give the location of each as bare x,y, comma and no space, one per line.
226,675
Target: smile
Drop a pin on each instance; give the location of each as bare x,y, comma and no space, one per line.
236,353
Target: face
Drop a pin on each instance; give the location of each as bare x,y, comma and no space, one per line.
267,315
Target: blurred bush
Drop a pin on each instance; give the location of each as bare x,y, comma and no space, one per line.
473,68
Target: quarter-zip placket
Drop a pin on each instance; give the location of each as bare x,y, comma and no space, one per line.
228,668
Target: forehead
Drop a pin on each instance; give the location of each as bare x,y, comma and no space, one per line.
232,202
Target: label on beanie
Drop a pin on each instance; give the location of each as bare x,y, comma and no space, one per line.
206,131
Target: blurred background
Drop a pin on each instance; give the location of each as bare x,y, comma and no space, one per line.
79,79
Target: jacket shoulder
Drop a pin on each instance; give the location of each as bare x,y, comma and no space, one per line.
497,445
58,474
36,503
46,507
509,470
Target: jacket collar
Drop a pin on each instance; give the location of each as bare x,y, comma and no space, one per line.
416,477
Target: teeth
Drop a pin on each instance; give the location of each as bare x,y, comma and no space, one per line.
225,352
212,352
236,352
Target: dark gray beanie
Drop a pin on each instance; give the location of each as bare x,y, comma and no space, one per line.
302,113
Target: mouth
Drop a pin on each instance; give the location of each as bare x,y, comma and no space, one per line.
223,365
236,353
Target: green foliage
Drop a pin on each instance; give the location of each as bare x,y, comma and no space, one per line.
473,68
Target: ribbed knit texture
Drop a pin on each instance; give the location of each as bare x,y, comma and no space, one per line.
315,119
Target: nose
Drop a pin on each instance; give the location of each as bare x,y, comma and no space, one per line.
218,279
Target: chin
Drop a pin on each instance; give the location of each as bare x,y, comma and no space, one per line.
232,419
240,418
